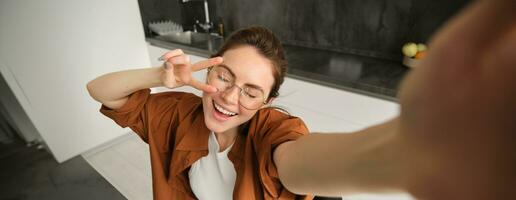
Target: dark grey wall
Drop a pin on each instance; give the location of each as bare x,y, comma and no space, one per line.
375,28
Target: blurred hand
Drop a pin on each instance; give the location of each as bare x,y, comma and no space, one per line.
458,109
178,70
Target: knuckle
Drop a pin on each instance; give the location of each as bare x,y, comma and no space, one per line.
177,60
214,61
173,60
169,65
170,59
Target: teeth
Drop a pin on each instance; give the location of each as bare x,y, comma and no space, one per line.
222,110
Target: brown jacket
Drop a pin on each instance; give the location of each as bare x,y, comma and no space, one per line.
172,123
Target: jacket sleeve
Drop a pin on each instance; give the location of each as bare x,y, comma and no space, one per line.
275,128
149,115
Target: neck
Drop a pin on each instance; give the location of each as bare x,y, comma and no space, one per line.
226,138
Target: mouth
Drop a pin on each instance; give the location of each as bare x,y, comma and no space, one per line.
221,113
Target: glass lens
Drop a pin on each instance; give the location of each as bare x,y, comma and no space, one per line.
222,79
251,98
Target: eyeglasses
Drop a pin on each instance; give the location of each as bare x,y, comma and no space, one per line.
250,97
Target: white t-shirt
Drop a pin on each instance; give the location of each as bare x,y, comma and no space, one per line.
213,176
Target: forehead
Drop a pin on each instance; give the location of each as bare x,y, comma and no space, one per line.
249,67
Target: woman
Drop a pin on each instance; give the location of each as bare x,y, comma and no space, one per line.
220,146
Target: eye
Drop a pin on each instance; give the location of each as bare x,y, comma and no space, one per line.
249,95
223,77
251,92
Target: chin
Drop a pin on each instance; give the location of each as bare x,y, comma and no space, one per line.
212,126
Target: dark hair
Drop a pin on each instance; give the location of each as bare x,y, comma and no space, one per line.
267,44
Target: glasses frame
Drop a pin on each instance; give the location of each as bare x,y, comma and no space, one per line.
241,92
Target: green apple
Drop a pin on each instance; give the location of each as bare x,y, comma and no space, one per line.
409,49
421,47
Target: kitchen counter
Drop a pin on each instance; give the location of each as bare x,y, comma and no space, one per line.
364,75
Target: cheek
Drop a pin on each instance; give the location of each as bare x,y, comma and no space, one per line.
206,101
208,96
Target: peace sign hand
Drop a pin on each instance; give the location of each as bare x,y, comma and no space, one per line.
178,70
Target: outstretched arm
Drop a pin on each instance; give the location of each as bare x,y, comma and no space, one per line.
370,160
454,138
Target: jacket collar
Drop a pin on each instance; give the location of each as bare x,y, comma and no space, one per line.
196,134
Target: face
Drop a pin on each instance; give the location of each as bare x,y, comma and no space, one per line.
247,69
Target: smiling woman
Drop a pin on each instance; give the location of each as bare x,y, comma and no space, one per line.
220,146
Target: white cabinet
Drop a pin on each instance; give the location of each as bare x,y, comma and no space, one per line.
50,49
326,109
323,109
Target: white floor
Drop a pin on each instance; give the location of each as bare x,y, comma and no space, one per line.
125,163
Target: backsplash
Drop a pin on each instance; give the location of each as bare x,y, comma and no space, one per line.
155,10
374,28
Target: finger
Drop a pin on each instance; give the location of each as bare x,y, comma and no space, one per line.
202,86
178,60
206,63
170,54
474,29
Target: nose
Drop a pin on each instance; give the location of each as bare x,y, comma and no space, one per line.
231,95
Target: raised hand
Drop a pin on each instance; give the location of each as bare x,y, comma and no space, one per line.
458,110
178,70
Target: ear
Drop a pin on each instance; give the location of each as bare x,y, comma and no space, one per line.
269,102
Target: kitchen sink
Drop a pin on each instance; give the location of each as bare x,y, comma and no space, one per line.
188,37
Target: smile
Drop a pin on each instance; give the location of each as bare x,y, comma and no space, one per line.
222,110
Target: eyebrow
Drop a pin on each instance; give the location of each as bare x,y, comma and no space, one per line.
233,74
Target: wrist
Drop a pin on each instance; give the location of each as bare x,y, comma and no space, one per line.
156,77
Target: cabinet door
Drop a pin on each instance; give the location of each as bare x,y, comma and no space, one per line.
51,49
